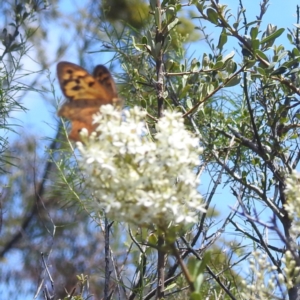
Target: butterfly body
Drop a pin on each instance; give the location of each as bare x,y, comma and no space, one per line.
85,93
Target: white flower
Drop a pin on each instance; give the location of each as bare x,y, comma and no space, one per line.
138,179
293,201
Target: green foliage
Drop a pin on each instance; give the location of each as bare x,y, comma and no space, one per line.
132,12
239,93
14,50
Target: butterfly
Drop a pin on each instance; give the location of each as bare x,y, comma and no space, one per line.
85,94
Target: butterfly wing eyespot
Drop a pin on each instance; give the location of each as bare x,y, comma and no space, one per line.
86,93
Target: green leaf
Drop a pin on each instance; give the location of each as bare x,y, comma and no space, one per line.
290,38
195,65
251,23
235,25
231,66
296,52
204,262
296,70
271,66
228,56
244,174
251,63
273,36
254,32
185,90
196,296
171,286
173,24
212,16
262,55
279,71
205,60
218,65
144,41
282,55
178,7
297,116
198,282
152,239
255,44
189,103
210,88
170,12
143,103
200,6
261,71
222,39
234,81
193,266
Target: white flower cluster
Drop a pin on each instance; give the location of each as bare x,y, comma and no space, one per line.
139,180
293,202
266,282
263,279
291,271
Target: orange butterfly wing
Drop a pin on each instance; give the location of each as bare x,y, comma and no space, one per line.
86,93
